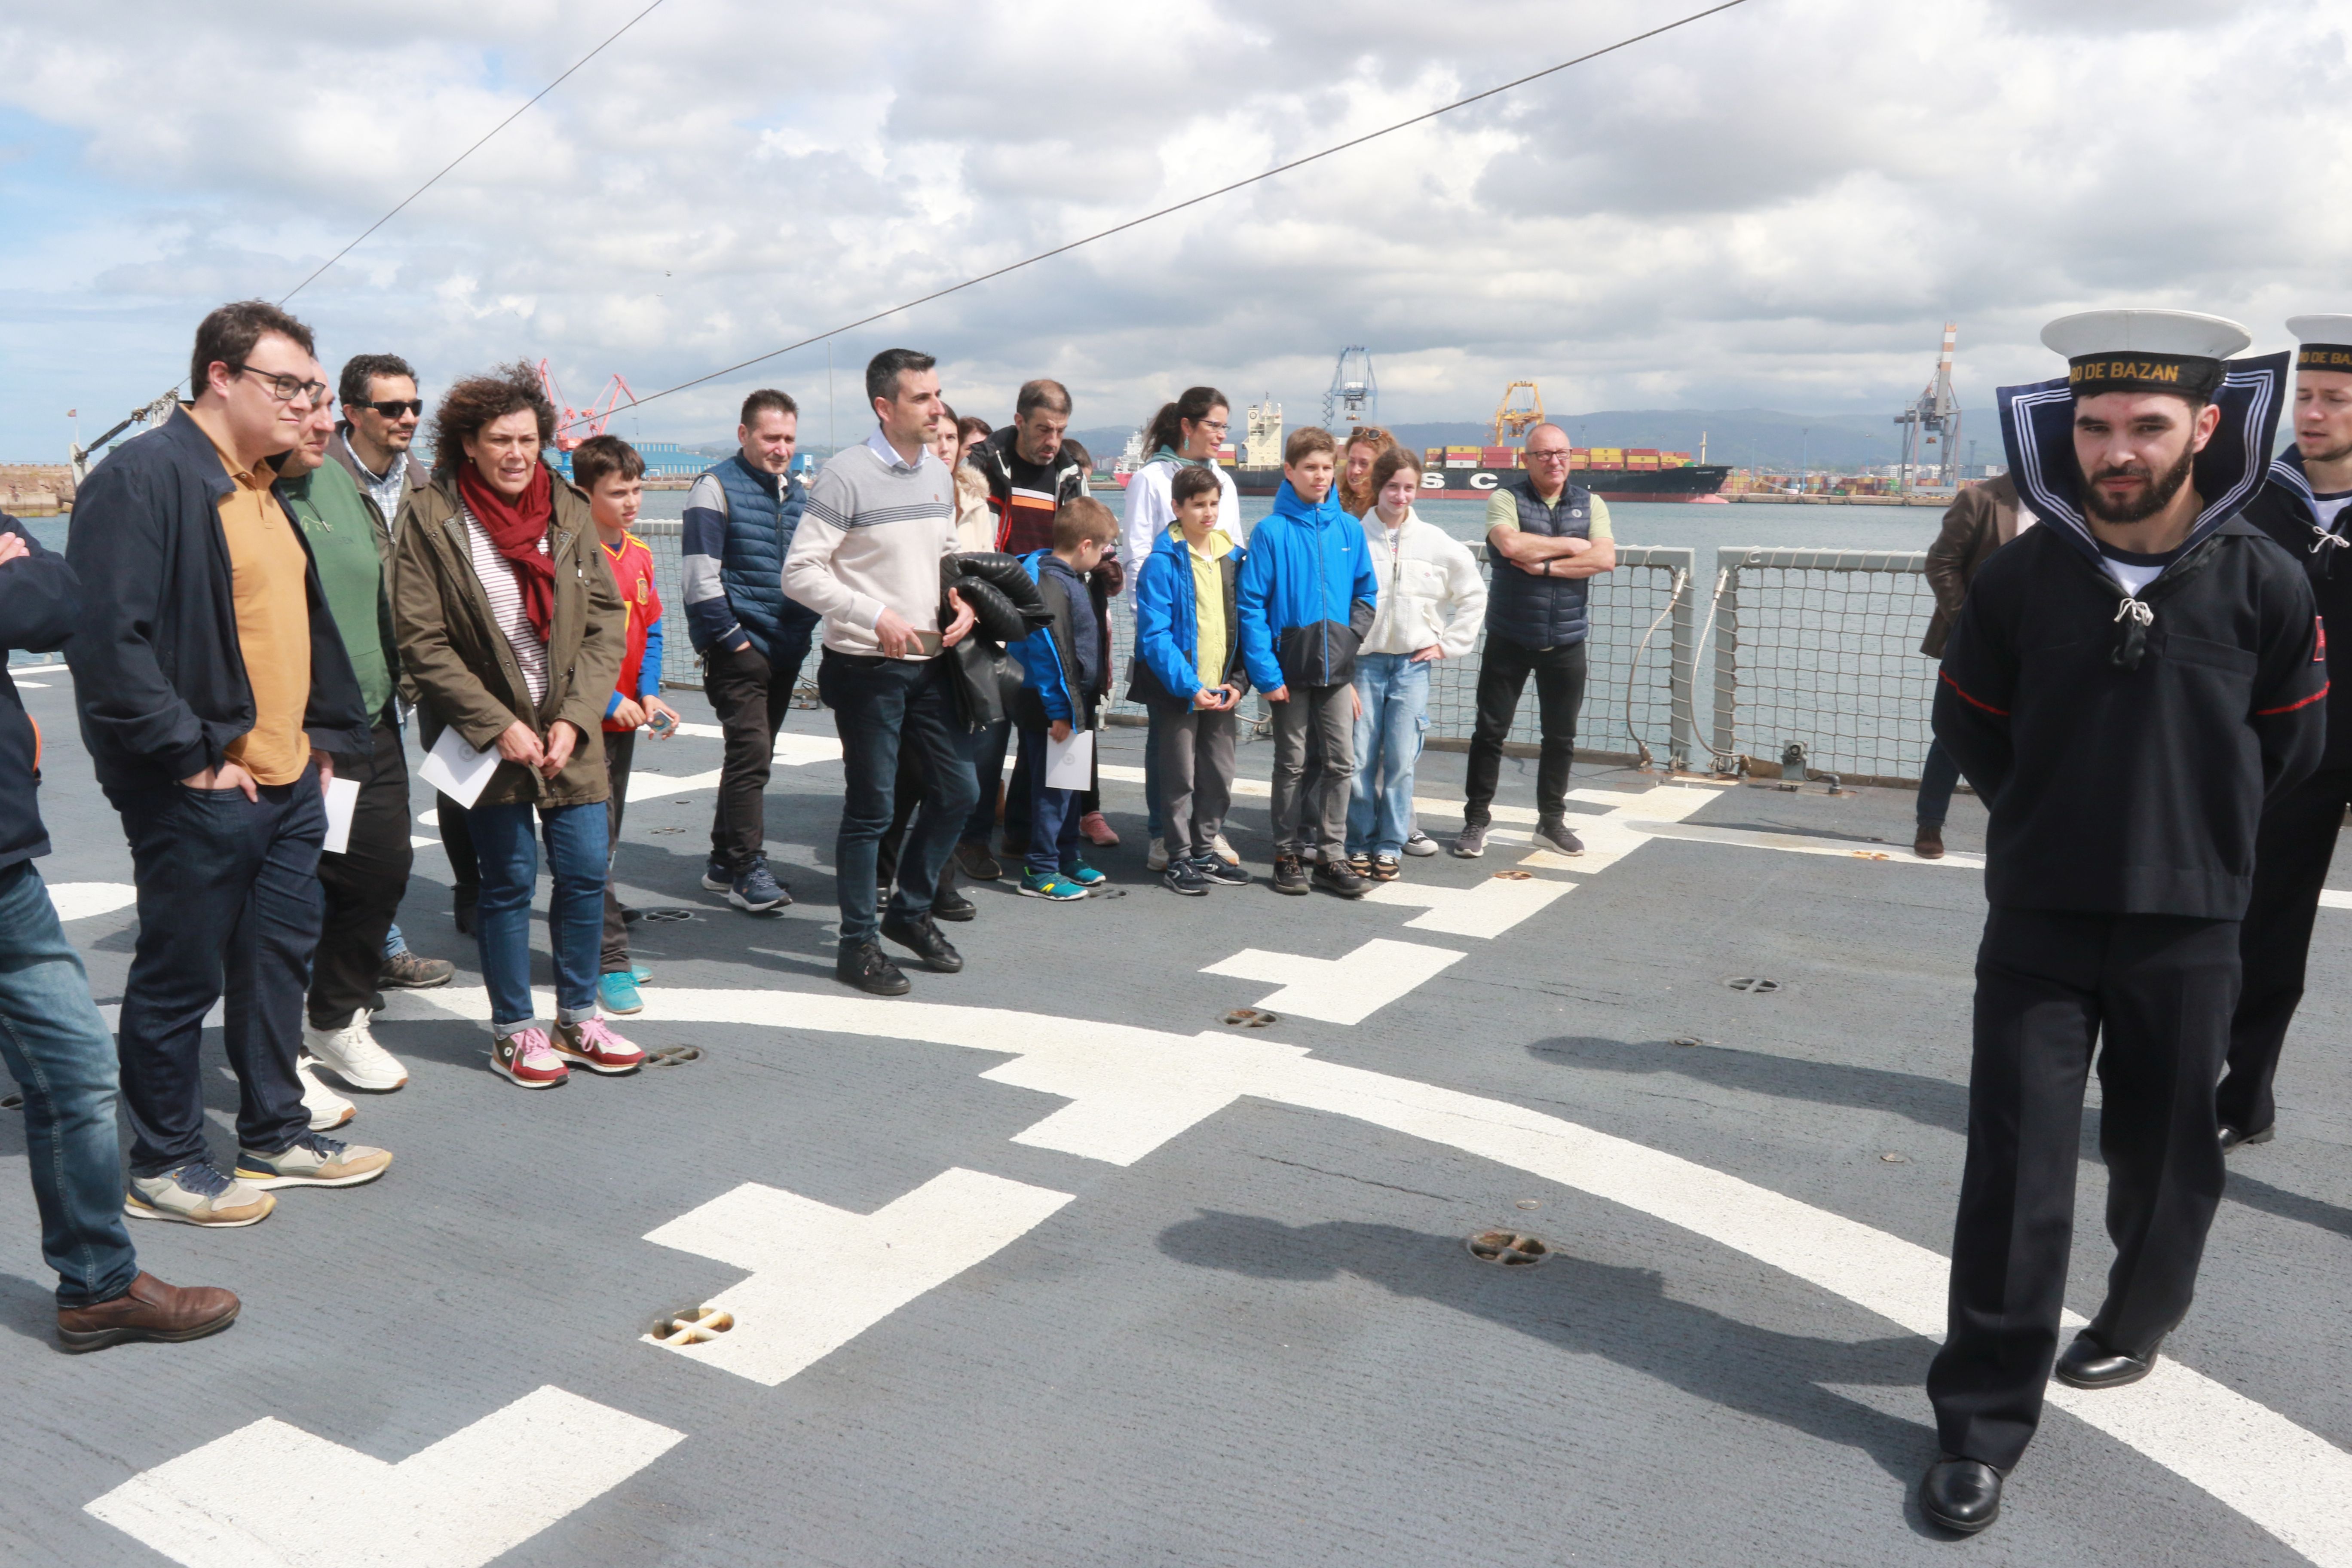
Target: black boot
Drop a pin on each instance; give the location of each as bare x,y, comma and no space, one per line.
864,965
918,932
1962,1495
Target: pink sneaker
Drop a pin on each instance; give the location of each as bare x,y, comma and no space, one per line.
592,1044
523,1058
1098,830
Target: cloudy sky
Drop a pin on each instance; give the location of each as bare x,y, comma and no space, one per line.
1778,207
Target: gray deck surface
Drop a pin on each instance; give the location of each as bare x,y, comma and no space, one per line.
1263,1342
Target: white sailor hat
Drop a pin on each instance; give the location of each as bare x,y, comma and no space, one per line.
2145,351
2326,343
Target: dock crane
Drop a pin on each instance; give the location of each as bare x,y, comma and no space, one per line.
574,425
1354,397
1936,416
1513,421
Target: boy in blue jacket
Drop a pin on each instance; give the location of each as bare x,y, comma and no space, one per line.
1306,598
1189,672
1060,673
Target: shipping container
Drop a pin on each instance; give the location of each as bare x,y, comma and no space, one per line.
1499,457
1579,458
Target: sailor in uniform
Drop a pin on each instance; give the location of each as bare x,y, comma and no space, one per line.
2125,686
2307,507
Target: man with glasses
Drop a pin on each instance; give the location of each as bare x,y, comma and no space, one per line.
212,686
381,413
1547,539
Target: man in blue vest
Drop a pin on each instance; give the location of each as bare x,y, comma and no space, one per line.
1547,539
740,519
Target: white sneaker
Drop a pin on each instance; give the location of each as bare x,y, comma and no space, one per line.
1224,852
327,1108
352,1054
1156,858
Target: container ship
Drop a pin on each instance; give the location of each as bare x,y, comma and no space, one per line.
1472,473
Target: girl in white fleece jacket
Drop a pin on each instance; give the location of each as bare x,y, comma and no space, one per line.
1432,599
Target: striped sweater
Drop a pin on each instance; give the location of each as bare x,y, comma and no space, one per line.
875,532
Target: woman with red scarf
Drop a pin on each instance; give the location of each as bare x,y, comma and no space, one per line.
510,624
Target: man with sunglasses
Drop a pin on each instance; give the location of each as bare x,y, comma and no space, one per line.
381,413
213,686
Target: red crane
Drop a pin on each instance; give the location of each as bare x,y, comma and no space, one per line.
569,431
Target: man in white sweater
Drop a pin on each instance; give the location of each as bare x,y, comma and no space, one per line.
880,518
1431,601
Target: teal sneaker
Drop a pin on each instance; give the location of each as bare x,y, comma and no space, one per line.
1051,885
641,972
617,993
1085,875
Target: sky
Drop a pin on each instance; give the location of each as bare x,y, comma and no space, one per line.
1775,207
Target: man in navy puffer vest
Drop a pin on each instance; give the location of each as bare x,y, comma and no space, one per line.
1547,538
740,519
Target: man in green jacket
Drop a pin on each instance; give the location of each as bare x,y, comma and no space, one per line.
363,883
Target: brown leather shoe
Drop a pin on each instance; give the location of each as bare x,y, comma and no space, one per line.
1930,844
150,1309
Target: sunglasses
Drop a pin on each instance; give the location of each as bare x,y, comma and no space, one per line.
394,409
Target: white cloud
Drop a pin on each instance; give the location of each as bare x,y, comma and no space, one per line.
1780,206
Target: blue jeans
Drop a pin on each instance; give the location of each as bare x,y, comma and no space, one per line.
1053,814
58,1051
1395,693
229,910
394,944
879,705
575,913
1937,775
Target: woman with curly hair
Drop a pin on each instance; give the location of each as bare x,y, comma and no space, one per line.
1356,488
509,623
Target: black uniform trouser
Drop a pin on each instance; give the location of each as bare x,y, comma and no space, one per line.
2154,993
1503,671
363,885
2290,854
751,697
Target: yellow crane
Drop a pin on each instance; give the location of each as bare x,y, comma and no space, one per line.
1513,421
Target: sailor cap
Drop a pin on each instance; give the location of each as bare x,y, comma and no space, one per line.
2326,343
2145,351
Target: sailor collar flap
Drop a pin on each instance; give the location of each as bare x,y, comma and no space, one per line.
2037,427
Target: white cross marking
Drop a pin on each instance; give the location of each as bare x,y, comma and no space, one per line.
274,1496
1337,990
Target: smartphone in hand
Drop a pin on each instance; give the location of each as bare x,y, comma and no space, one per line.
661,724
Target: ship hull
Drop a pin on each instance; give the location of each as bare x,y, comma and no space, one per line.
1693,483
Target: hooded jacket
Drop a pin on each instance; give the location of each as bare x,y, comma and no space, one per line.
1306,595
158,670
39,602
1051,686
2283,509
464,669
1168,625
1431,589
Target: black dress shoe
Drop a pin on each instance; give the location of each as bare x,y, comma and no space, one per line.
868,968
2231,1137
949,904
924,937
1962,1495
2087,1364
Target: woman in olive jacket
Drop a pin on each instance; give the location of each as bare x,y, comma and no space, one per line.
511,627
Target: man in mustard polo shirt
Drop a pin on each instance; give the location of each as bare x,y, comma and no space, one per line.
212,685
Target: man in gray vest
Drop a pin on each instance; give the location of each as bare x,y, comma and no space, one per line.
739,520
1547,538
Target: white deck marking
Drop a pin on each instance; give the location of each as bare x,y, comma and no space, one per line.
2290,1481
80,901
822,1275
1799,844
2334,899
1485,909
273,1496
1337,990
792,751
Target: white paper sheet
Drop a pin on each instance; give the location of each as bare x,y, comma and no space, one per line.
1070,764
457,770
342,800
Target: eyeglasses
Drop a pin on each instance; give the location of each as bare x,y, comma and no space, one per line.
1219,426
1549,455
286,389
392,409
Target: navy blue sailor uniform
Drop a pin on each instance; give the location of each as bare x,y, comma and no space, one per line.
2297,837
2126,742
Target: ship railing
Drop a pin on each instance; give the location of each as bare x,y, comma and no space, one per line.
1814,648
